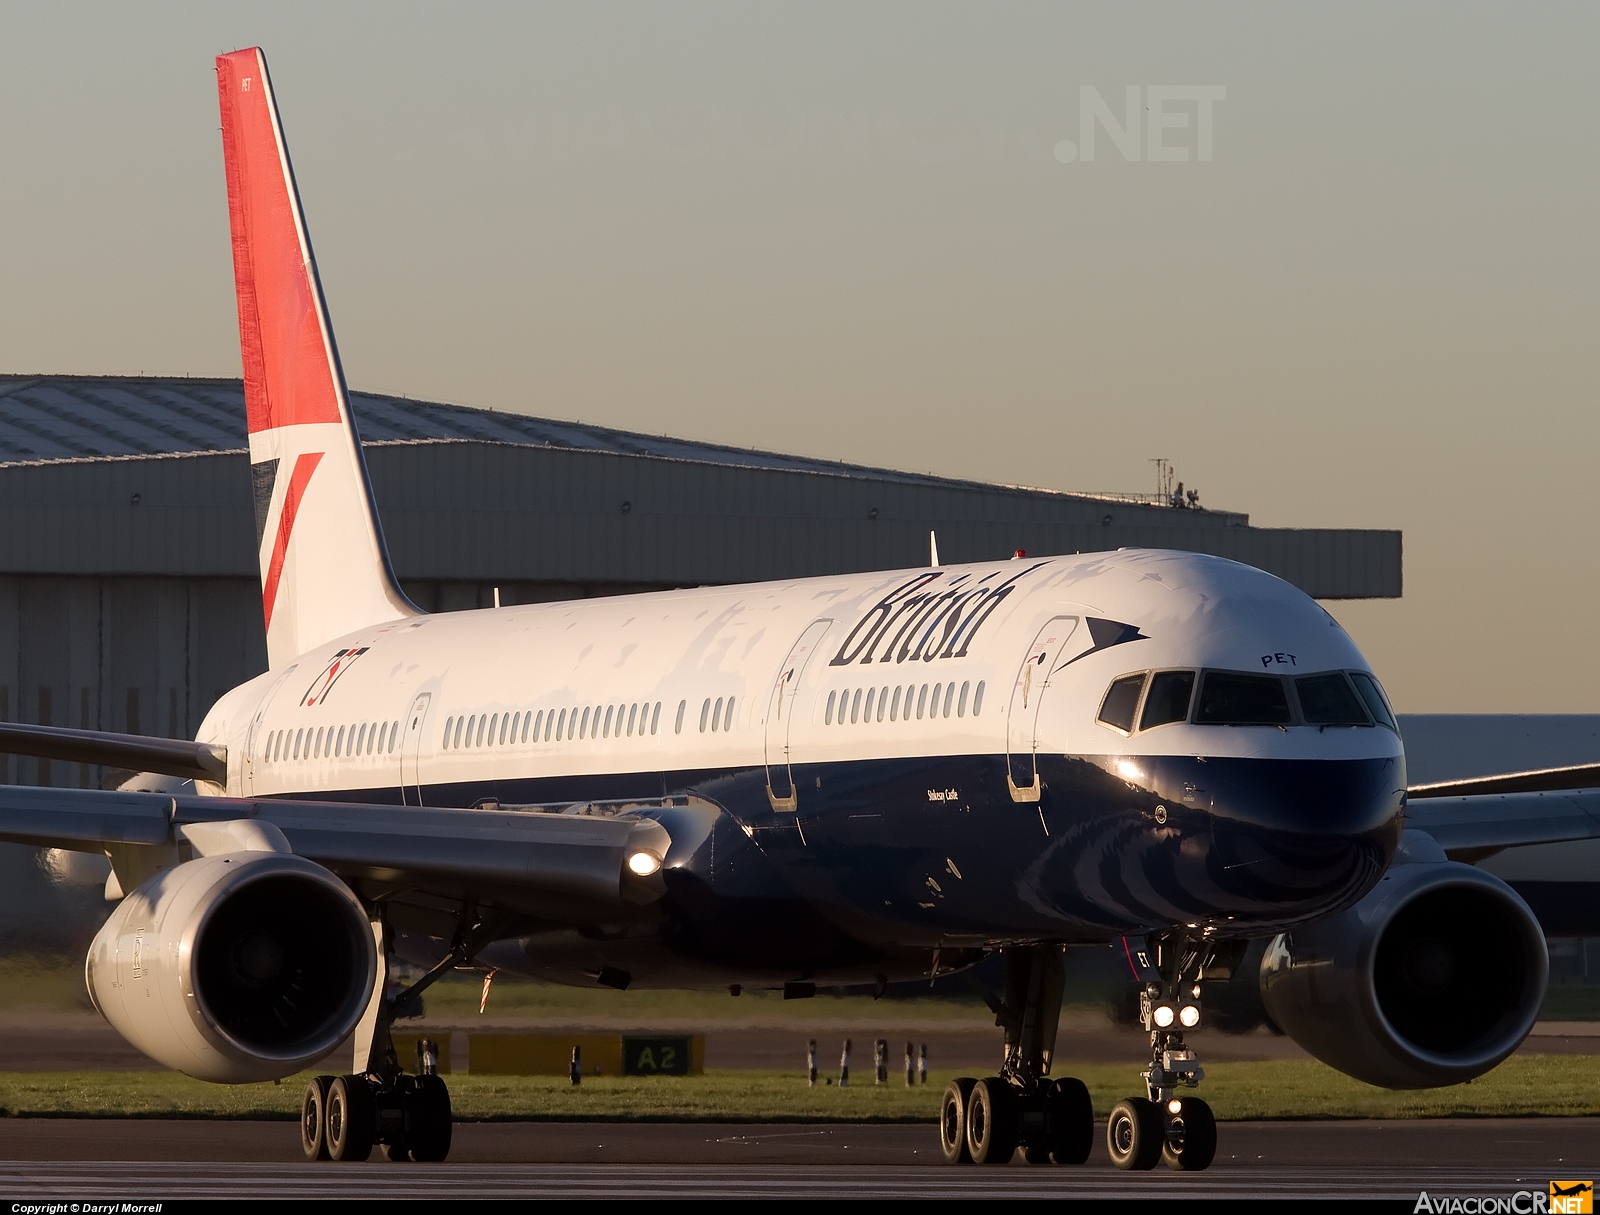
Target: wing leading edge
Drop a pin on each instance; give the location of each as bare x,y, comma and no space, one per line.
568,867
168,756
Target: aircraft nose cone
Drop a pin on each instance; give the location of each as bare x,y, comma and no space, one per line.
1245,844
1295,839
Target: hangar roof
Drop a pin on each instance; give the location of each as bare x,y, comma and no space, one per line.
46,418
147,476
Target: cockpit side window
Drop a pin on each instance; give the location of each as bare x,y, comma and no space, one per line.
1233,698
1329,700
1122,702
1168,698
1372,694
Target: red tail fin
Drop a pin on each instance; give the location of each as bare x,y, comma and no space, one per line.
324,567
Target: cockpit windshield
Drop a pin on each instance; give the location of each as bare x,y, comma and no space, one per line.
1232,698
1168,698
1244,698
1329,700
1372,696
1122,702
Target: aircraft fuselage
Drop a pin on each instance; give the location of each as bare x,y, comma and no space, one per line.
870,767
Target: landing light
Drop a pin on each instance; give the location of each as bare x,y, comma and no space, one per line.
1189,1015
1162,1015
644,864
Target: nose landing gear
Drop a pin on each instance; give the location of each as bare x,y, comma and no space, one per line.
986,1121
1162,1126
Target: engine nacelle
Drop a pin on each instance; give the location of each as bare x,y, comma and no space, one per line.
235,968
1431,979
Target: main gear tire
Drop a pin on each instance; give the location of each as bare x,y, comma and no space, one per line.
1069,1115
953,1121
992,1122
314,1118
352,1118
431,1122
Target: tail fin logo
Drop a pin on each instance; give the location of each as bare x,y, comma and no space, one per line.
304,466
330,675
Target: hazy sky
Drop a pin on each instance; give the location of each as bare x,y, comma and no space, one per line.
845,230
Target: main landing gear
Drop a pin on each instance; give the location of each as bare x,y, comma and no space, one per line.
1052,1121
1163,1126
380,1105
345,1117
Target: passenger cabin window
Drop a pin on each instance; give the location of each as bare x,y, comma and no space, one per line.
1122,702
1372,696
1232,698
1168,699
1329,700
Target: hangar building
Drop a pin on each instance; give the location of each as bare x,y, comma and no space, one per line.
129,594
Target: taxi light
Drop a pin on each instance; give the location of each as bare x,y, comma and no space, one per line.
644,864
1162,1015
1189,1015
1174,1106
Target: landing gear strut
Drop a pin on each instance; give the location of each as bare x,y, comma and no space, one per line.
380,1105
986,1121
1162,1125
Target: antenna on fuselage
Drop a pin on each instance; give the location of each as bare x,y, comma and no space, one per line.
933,549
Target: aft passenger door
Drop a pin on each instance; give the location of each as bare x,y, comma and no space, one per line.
1027,694
411,751
254,741
780,714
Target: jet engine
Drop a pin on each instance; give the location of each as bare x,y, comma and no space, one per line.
1431,979
234,968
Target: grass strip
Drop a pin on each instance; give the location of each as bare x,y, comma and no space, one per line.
1526,1085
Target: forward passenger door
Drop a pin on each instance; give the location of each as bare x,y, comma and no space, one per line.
1027,694
780,715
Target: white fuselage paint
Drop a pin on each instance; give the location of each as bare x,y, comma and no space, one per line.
731,643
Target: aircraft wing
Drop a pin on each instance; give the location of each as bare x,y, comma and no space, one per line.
1540,780
168,756
569,867
1474,826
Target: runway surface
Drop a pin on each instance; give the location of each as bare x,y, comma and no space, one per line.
100,1160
